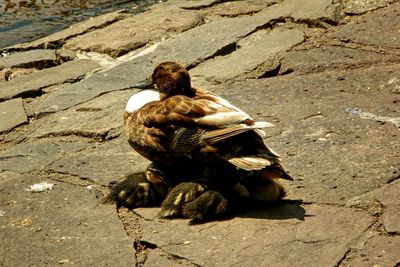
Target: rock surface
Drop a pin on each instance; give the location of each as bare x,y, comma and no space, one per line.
12,114
316,70
61,223
33,83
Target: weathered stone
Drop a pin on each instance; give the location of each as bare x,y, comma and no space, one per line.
365,29
276,236
151,26
389,197
33,58
93,119
103,163
189,48
55,40
255,51
157,257
28,157
357,7
310,11
65,225
197,4
12,114
36,81
237,8
329,58
310,116
11,73
378,251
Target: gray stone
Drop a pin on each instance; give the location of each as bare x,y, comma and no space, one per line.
378,251
357,7
313,10
255,51
276,236
36,81
310,11
12,114
159,22
103,163
26,59
364,30
196,4
189,48
326,58
95,118
389,197
332,155
234,8
27,157
65,225
58,38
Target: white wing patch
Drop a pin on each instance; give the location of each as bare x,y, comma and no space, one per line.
141,98
223,118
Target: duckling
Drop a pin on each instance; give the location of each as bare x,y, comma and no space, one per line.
201,135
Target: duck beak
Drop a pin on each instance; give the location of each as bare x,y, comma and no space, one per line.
145,84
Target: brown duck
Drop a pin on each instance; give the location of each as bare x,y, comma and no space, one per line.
198,134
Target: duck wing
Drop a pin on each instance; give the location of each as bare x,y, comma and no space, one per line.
205,119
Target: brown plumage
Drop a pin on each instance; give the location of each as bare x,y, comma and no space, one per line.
197,139
187,123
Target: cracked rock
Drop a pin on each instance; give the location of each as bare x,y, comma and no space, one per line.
365,29
378,251
254,51
103,163
389,197
263,237
94,119
38,58
12,114
159,22
66,224
27,157
189,48
33,83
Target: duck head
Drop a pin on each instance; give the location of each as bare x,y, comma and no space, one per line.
171,78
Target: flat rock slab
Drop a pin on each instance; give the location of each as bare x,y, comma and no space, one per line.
189,48
310,11
365,29
150,26
58,38
12,114
262,238
103,163
27,157
233,8
357,7
34,82
312,113
27,59
65,225
389,197
93,119
329,58
378,251
252,58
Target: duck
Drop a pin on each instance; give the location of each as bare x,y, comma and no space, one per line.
194,134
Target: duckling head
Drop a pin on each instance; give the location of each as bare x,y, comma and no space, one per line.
172,78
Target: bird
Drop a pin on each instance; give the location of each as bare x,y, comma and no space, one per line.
195,135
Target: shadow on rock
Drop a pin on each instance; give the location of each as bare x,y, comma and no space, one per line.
285,209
